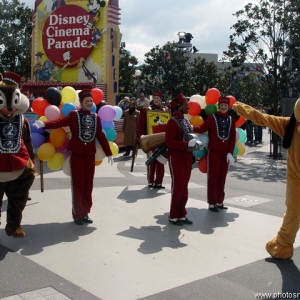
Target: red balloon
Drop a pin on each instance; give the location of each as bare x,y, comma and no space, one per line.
232,100
240,121
202,164
39,105
194,108
97,95
212,96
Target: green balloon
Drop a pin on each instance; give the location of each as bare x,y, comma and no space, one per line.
210,109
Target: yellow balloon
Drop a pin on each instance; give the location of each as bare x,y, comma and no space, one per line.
57,137
68,94
241,149
43,118
196,120
114,148
46,151
56,162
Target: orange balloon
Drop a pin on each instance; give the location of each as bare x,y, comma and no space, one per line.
202,164
39,105
240,121
46,151
196,120
58,137
212,96
194,108
98,162
232,100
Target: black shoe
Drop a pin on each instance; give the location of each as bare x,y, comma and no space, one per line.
158,186
221,206
29,198
79,221
151,185
177,222
187,221
87,220
214,209
126,154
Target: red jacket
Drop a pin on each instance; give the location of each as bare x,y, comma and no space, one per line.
76,145
175,139
17,161
215,142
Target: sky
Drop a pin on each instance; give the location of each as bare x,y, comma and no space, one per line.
146,24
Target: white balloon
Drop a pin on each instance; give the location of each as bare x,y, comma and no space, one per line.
187,116
100,155
200,100
66,166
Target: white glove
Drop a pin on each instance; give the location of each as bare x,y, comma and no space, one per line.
192,143
230,158
38,124
110,160
199,145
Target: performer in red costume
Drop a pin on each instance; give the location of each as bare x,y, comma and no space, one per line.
179,158
85,127
221,131
156,169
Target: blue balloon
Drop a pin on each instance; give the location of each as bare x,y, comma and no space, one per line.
119,112
94,108
111,134
37,139
203,138
33,129
67,108
199,153
107,124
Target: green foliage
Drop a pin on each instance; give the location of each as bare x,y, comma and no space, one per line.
263,36
15,32
127,65
166,68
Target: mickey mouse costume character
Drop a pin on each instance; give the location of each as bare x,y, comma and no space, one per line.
156,169
85,127
221,132
180,158
17,170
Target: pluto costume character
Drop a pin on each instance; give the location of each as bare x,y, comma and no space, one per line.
17,170
281,246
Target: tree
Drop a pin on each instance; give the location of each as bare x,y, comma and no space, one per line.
203,76
127,66
15,32
167,69
263,38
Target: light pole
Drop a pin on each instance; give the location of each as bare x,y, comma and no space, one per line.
137,74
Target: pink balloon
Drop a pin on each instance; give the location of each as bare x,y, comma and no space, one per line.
52,112
107,113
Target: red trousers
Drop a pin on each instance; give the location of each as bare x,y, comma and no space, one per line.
217,167
156,172
82,169
180,169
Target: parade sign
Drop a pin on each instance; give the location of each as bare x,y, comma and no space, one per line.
157,118
69,44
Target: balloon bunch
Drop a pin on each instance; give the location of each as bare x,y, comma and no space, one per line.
209,103
53,148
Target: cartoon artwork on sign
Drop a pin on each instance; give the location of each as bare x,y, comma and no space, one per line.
155,118
67,32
